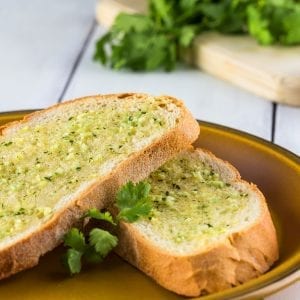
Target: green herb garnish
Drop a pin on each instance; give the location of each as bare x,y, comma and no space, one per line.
102,241
133,203
72,258
146,42
7,143
98,215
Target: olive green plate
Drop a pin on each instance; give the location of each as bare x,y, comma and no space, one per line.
276,172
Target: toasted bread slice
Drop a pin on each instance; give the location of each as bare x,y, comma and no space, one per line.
57,163
209,230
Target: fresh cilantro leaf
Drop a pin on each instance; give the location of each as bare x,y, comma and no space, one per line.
186,5
154,40
275,21
131,193
102,241
134,43
98,215
100,53
92,256
214,14
291,26
133,201
162,10
75,239
187,34
72,261
134,213
133,22
259,26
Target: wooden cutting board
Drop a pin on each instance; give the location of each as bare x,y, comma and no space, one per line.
270,72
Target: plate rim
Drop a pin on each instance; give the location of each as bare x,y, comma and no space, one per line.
291,270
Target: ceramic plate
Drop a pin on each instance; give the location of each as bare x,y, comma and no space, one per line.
276,172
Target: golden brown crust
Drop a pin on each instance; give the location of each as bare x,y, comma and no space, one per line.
26,251
230,262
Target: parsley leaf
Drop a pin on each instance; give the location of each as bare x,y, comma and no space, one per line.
72,261
292,27
75,239
154,40
100,53
131,193
186,35
163,11
135,42
92,256
98,215
133,201
134,213
274,21
259,26
102,241
134,22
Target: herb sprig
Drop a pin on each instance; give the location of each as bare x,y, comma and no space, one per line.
132,201
145,42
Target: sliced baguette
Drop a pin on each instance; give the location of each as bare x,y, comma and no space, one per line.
187,252
55,152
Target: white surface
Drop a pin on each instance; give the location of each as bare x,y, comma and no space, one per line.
208,98
41,39
287,132
39,44
290,293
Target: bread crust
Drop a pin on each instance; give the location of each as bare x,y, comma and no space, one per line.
25,252
236,259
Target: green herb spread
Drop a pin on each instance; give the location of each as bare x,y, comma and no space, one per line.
193,204
42,163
